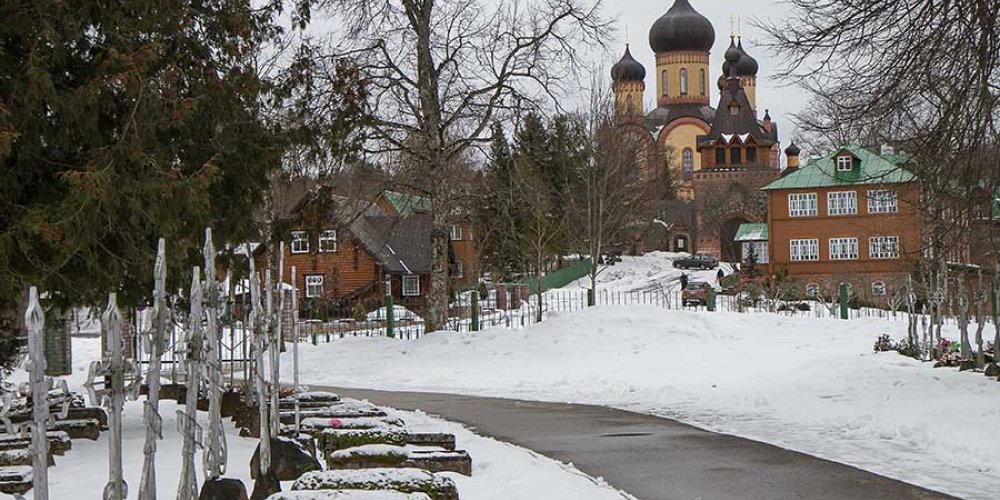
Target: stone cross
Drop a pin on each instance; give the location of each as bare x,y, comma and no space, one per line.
34,321
154,339
119,380
214,457
187,420
259,326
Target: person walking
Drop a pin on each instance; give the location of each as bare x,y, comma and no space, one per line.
684,280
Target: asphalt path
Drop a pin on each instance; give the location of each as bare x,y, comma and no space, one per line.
650,457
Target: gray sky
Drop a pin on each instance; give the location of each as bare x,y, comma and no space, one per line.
636,16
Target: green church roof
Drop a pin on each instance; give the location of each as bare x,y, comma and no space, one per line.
870,168
407,204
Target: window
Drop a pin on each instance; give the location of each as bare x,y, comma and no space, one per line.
845,163
735,156
751,155
687,162
314,286
456,232
802,205
804,250
701,83
663,79
883,247
812,290
684,81
720,156
411,285
878,288
328,241
842,203
843,248
759,249
300,242
882,202
459,270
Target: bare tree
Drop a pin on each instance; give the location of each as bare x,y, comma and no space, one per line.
539,230
440,71
609,196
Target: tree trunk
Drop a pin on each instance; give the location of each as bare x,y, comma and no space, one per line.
437,297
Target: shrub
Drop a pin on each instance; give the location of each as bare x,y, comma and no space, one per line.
907,349
358,312
884,343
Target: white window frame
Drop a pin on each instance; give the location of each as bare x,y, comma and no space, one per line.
760,250
803,250
879,289
802,205
411,285
843,248
459,270
456,232
300,242
312,281
883,247
325,238
842,203
882,201
845,161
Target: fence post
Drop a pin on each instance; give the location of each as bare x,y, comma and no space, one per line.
843,301
388,308
475,311
590,297
710,299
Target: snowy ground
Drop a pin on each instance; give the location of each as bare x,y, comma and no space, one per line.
500,470
653,271
812,385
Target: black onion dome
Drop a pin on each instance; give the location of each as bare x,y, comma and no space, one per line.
748,65
628,69
681,28
732,56
792,149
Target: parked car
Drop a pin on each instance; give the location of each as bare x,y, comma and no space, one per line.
695,293
697,261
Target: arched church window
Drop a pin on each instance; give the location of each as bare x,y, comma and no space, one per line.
701,83
720,156
751,155
663,78
684,81
687,162
735,156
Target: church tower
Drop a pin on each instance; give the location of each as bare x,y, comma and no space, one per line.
628,85
682,40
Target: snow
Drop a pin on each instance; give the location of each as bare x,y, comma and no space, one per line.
808,384
500,470
398,313
653,271
347,495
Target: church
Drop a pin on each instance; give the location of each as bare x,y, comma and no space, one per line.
717,157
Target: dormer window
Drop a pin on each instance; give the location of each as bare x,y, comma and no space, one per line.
845,164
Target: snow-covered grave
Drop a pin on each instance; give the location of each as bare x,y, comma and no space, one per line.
811,385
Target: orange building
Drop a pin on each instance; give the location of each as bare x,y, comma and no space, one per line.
850,216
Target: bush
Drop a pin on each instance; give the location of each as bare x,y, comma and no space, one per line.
358,312
909,350
884,343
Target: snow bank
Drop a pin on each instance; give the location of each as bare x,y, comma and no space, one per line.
653,271
812,385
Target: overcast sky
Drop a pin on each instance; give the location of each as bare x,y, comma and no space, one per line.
636,16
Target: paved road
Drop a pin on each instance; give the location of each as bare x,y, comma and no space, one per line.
650,457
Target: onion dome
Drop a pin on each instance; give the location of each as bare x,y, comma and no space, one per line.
733,55
628,69
792,149
748,65
681,28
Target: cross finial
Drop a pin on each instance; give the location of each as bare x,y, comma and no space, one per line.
732,26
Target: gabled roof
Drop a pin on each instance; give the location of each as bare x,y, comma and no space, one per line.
751,231
407,204
822,172
664,115
401,245
743,124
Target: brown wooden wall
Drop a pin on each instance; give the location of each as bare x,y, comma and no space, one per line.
782,228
